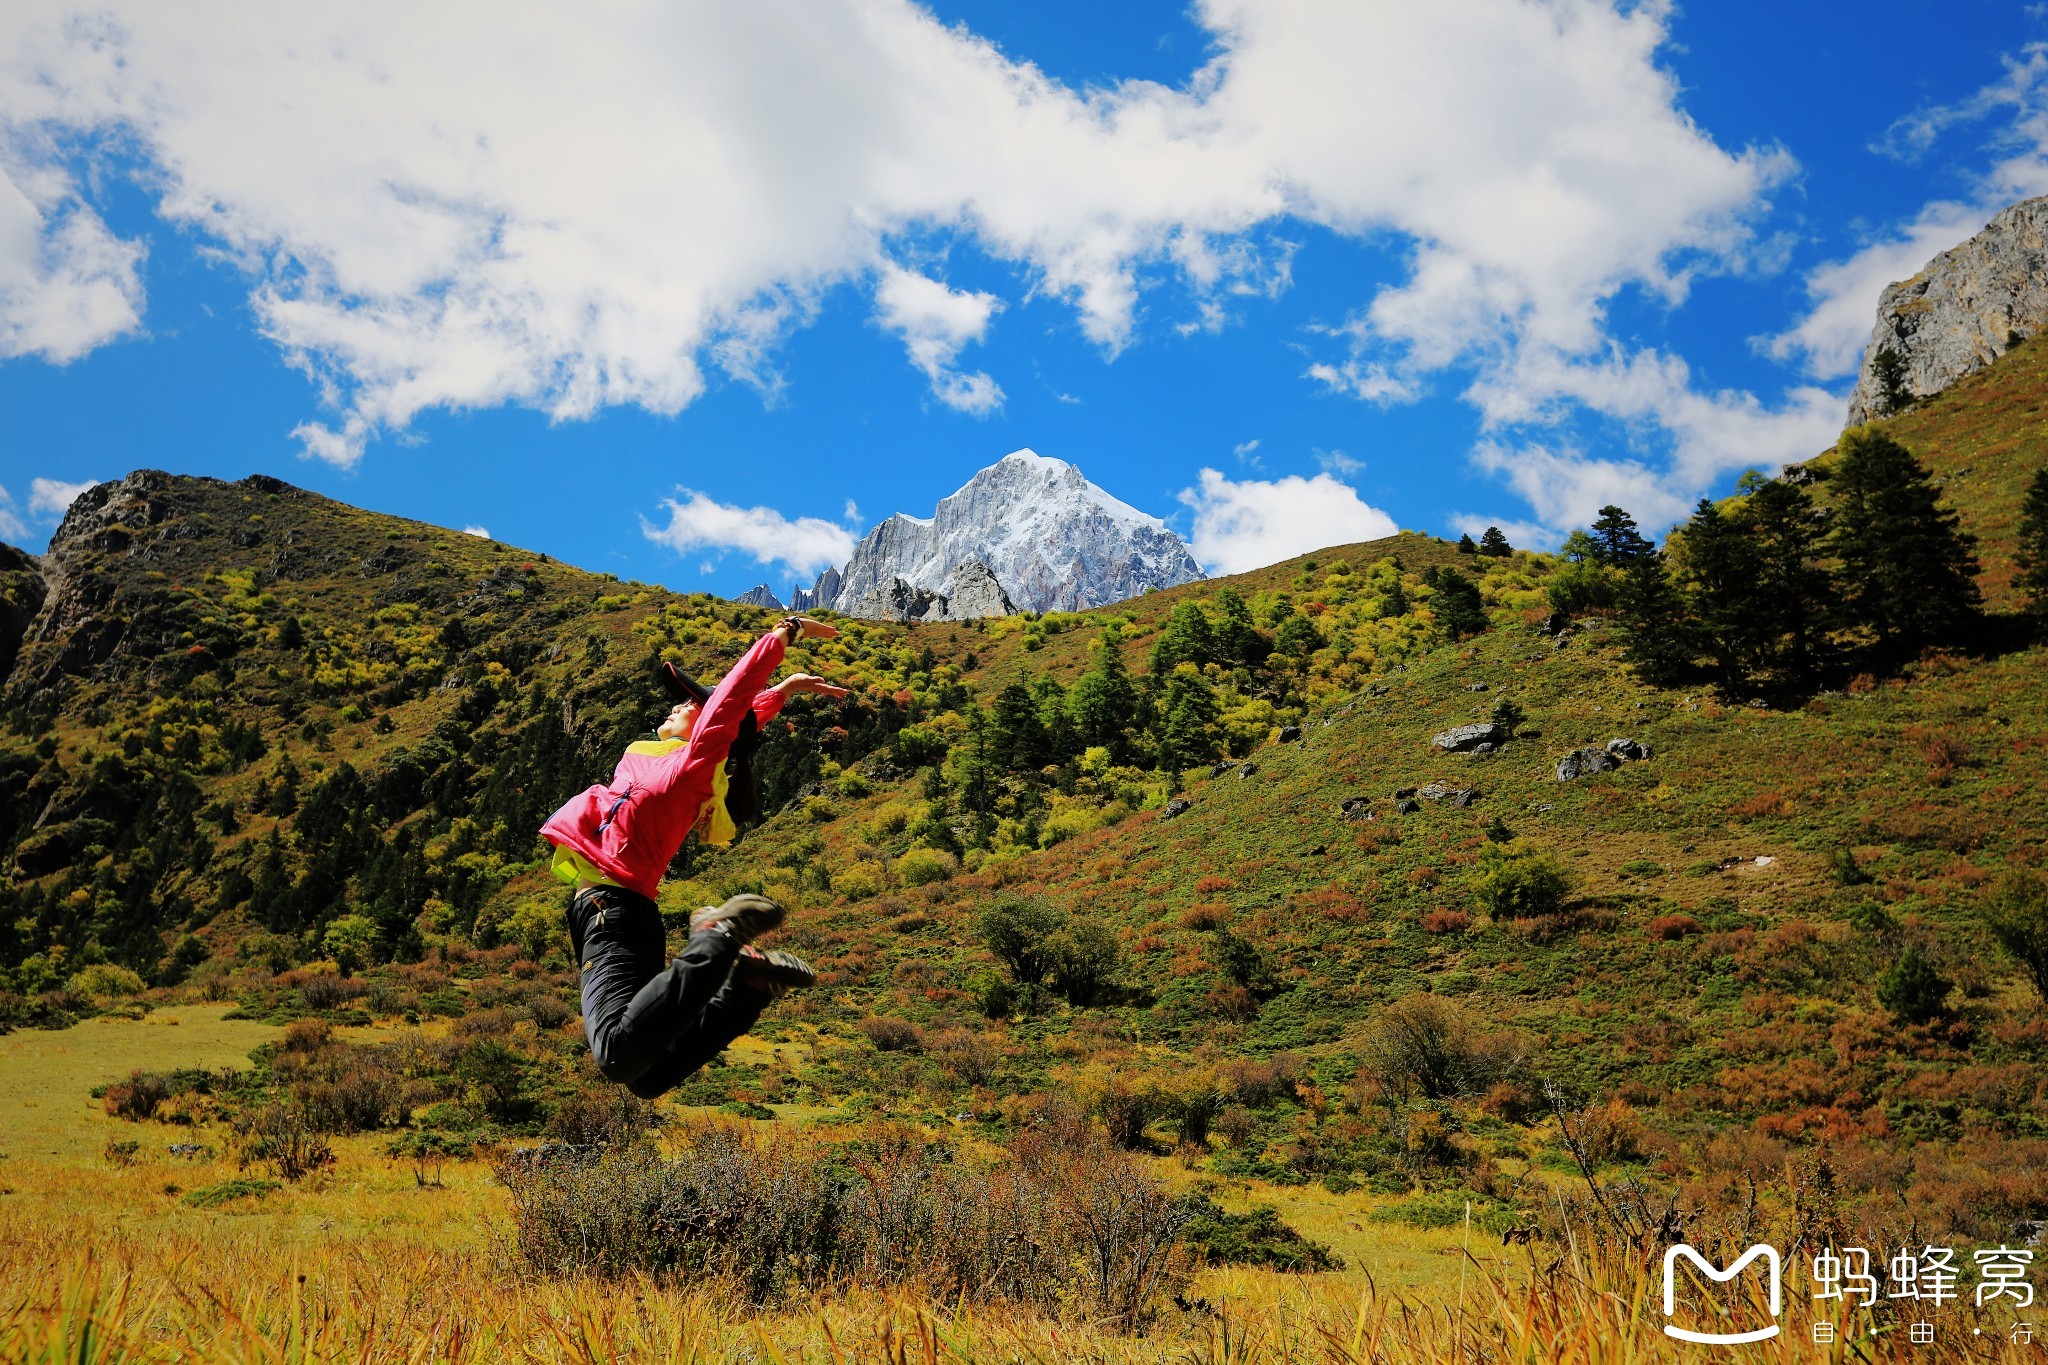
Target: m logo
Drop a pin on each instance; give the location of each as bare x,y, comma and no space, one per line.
1769,1256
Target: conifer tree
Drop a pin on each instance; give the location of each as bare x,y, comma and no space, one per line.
1762,600
1187,732
1297,636
1104,703
1187,639
1908,570
1616,543
1017,739
2032,558
1494,543
1457,606
1237,640
1888,368
1467,546
1659,637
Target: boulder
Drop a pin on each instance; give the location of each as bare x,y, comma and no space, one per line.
1408,807
1403,793
1218,769
1436,791
1478,687
1356,807
1289,733
1580,762
1465,738
1178,806
1248,770
1628,750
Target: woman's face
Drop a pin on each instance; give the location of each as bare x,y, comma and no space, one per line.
680,722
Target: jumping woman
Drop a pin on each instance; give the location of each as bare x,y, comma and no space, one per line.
649,1024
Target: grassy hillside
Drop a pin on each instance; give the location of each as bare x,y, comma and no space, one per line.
268,750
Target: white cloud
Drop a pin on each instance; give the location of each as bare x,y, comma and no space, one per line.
1568,488
52,499
480,532
601,201
935,322
1244,525
1831,338
67,284
805,545
1338,463
12,528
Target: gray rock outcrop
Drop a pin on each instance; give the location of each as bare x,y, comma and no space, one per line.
1584,762
1463,738
977,594
760,595
1962,311
1055,541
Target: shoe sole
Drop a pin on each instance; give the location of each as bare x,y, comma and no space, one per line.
778,970
744,917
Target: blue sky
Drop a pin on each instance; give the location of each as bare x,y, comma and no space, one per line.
696,295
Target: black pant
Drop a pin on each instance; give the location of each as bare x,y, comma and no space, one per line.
651,1025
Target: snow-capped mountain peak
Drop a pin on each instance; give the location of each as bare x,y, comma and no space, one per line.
1053,540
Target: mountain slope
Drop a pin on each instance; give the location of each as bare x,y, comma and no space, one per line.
287,713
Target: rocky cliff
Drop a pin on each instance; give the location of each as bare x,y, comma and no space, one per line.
1049,539
1967,308
976,594
760,595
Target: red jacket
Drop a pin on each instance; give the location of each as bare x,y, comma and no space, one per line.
632,828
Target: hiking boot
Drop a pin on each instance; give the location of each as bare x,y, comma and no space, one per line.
744,917
775,971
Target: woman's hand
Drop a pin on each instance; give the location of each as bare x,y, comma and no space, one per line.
812,683
794,628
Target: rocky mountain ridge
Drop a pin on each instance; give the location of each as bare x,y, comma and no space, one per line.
1048,538
1970,305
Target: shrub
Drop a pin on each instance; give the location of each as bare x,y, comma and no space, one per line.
103,980
600,1115
1911,989
1446,922
1084,956
966,1056
1015,929
281,1138
1668,927
227,1191
137,1098
1428,1046
1519,881
859,881
922,866
1059,1218
1256,1237
2017,916
325,991
305,1036
893,1035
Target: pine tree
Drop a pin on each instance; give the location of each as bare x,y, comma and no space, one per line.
1297,637
1659,637
1761,599
1495,544
1187,734
1888,368
1016,741
1467,546
1907,565
1187,639
1237,640
1616,543
1104,703
1456,605
2032,557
